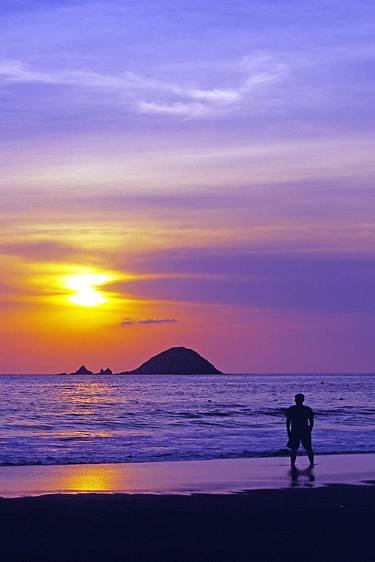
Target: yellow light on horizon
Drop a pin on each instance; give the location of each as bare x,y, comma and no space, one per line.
84,285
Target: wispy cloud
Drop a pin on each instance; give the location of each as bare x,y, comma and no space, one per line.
129,322
177,108
156,96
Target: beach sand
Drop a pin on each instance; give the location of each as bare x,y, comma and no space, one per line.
302,520
184,477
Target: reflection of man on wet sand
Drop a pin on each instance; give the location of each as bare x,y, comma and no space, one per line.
299,425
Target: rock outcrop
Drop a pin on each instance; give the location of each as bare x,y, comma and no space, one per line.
83,371
176,361
106,371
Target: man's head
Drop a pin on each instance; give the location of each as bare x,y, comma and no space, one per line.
299,398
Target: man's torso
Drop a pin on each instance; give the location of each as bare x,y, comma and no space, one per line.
299,416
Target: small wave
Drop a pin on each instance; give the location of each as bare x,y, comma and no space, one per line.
274,412
198,415
216,414
188,415
167,457
212,423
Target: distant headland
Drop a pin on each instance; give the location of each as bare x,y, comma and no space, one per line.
172,361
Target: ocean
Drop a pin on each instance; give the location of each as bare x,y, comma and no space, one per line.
100,419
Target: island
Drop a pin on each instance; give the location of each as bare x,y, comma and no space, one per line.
106,371
172,361
176,361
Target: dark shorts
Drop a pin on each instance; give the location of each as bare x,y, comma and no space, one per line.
296,440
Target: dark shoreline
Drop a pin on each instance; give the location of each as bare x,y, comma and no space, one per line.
329,523
125,374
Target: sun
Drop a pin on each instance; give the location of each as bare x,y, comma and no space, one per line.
84,287
87,296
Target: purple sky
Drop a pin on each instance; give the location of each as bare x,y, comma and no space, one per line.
215,157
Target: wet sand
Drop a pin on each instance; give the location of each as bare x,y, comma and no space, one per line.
304,520
186,477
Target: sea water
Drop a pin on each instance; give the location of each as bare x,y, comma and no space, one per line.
99,419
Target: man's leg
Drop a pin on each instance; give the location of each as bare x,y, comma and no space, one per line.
293,456
310,454
306,442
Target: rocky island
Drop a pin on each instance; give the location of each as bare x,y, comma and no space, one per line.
83,371
173,361
176,361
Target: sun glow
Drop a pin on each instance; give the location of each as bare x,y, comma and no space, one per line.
84,287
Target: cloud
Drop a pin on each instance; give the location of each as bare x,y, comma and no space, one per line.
291,282
40,250
178,108
16,71
128,322
147,95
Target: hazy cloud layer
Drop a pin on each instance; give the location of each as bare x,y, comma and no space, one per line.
41,250
294,283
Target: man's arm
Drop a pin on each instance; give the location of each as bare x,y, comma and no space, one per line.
311,420
288,422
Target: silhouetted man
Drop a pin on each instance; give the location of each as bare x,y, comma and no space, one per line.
299,425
